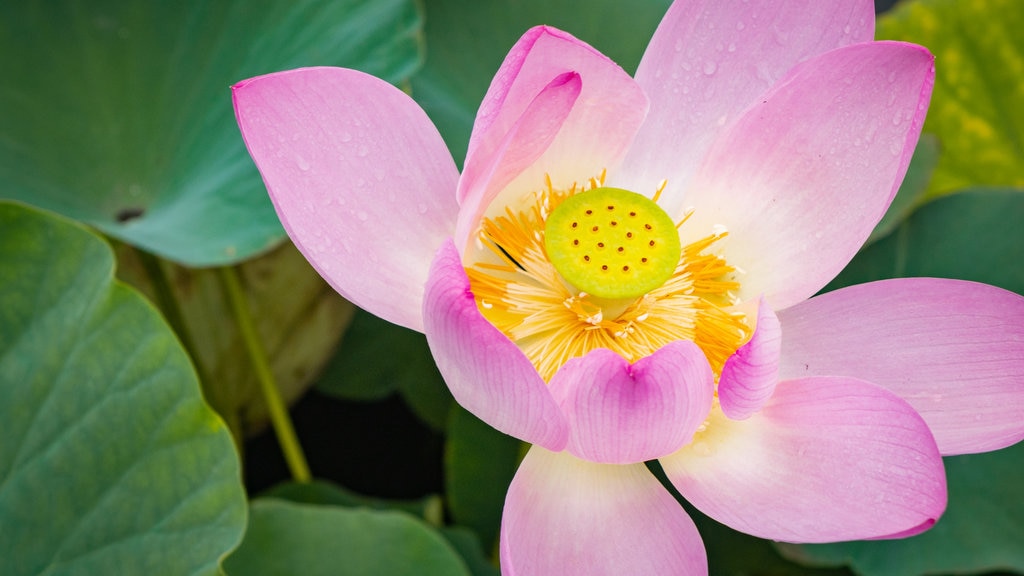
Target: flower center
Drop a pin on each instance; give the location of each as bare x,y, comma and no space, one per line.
612,243
532,281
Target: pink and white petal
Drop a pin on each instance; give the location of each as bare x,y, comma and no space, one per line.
709,61
610,109
827,459
803,177
531,135
623,414
953,349
486,373
571,517
750,375
360,178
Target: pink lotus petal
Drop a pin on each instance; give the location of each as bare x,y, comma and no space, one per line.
360,178
571,517
802,178
485,371
827,459
953,349
749,376
531,135
622,414
708,62
611,104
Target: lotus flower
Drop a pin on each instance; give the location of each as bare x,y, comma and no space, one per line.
624,272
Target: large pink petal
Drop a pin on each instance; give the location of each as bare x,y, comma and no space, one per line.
360,178
749,376
708,62
610,110
827,459
802,178
953,349
524,143
487,374
622,414
571,517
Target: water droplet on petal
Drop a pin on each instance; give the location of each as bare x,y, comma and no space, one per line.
346,137
362,151
421,208
740,25
302,164
710,67
363,216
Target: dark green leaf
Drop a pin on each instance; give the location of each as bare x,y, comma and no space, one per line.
110,461
973,235
119,113
320,492
377,358
479,465
461,60
286,538
466,543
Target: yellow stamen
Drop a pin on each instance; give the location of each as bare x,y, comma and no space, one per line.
524,296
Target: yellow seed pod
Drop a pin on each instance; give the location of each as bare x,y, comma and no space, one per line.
612,243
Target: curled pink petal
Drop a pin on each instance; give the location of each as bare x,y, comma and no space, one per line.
360,178
536,134
953,349
610,104
826,459
622,414
803,177
571,517
749,376
708,61
531,135
486,373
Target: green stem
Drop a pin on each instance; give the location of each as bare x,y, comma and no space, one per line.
279,418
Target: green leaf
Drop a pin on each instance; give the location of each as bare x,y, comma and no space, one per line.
913,187
462,540
299,318
467,544
461,60
979,85
973,235
479,465
980,531
287,538
377,358
110,461
119,114
320,492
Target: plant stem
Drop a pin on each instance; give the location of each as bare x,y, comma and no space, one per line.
279,418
